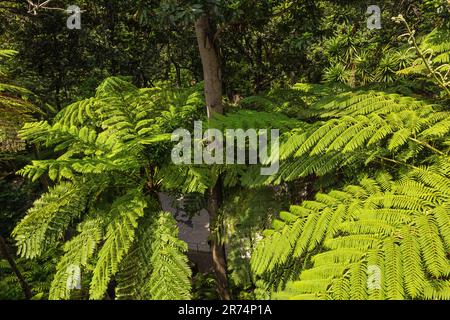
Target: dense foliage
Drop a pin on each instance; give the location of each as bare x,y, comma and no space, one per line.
360,206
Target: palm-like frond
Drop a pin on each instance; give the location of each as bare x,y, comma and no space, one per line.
109,149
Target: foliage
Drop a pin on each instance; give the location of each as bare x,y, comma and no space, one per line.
204,287
38,274
396,222
14,108
400,227
358,210
108,149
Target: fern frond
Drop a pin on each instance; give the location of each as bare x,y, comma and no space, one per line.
78,253
48,219
120,235
170,277
396,227
156,268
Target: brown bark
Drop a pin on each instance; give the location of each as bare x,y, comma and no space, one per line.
23,283
211,67
218,249
213,95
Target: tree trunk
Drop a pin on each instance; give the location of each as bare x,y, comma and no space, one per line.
213,96
23,283
211,67
217,249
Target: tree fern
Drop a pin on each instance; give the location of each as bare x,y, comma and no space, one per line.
381,222
358,129
106,175
398,226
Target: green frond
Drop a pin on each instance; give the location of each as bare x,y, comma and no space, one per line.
413,272
383,239
156,267
78,253
246,119
170,277
188,179
48,219
436,46
432,248
441,214
119,237
393,270
108,145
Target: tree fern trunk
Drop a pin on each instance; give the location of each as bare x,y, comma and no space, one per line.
218,249
213,95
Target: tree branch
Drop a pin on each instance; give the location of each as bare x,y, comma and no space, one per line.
23,283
